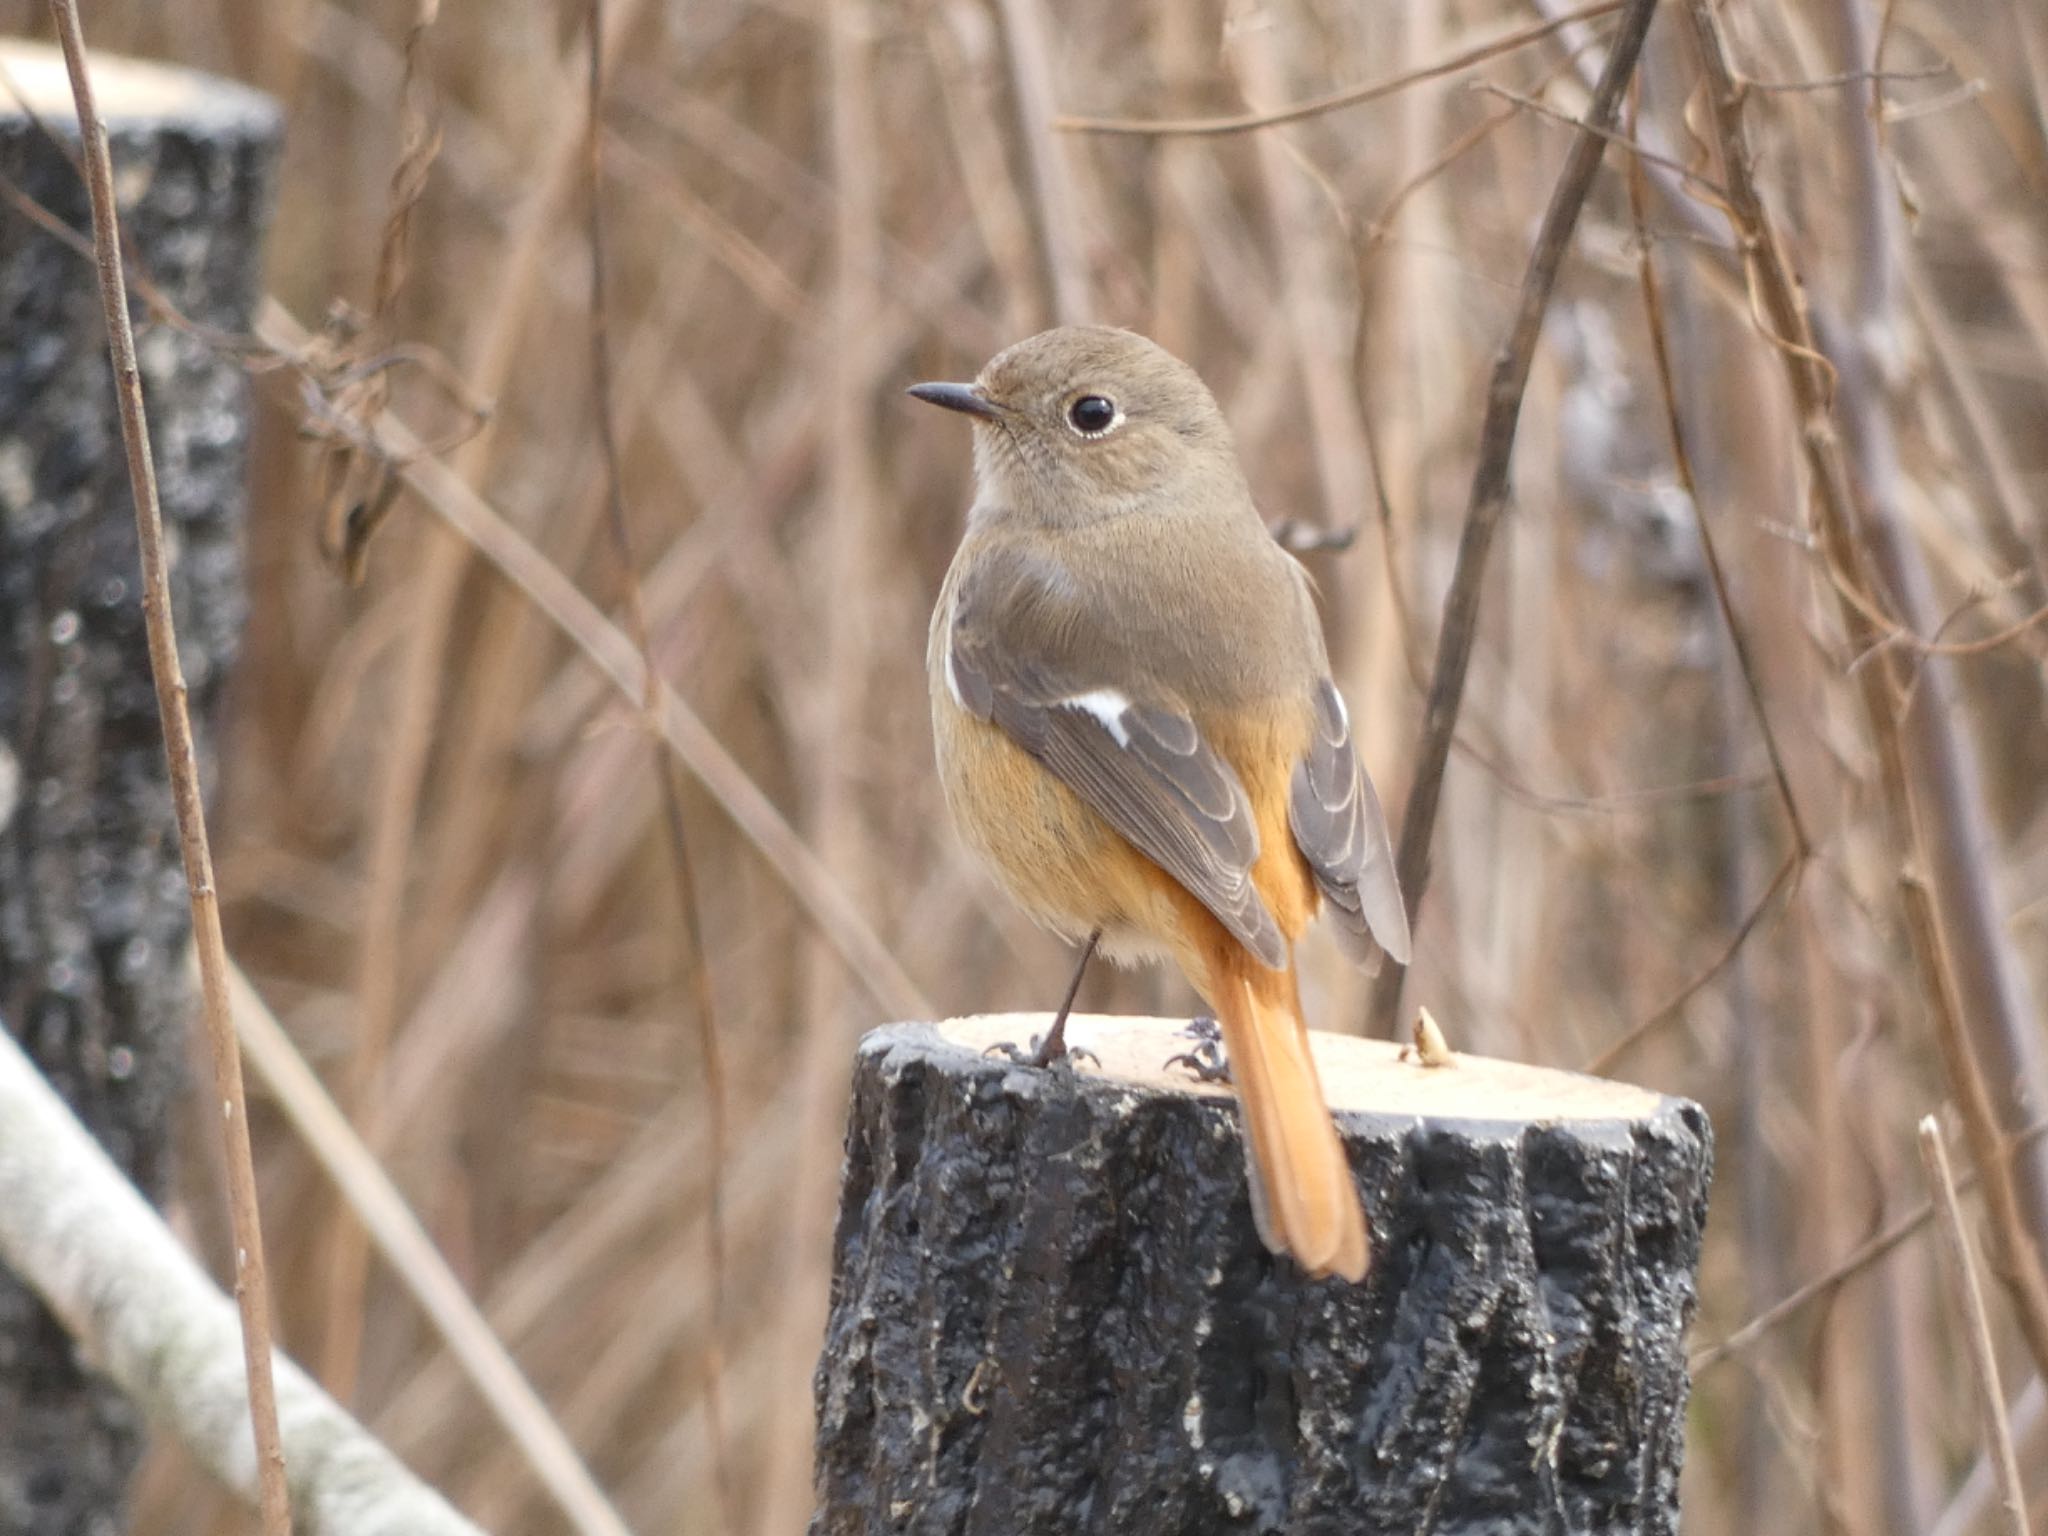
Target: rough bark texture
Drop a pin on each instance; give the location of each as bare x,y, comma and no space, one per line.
93,913
1051,1313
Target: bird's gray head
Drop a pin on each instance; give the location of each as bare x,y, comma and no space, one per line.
1085,423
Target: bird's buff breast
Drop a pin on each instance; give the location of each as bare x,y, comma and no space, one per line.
1066,867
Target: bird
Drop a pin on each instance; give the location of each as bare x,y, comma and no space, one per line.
1137,731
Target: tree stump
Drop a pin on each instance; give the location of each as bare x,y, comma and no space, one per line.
1051,1311
93,914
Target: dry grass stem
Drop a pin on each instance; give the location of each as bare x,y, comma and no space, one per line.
579,619
696,961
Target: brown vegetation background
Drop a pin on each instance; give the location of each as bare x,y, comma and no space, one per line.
442,837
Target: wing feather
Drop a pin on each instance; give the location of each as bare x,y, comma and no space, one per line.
1338,825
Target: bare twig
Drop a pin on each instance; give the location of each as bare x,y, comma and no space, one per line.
1969,1298
1847,1268
1350,96
1681,461
358,494
696,961
1990,1148
1490,489
252,1290
1523,102
1630,1037
359,491
430,600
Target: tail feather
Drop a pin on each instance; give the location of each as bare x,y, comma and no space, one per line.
1302,1191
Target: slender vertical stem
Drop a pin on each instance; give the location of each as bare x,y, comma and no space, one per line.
1490,489
1969,1296
252,1292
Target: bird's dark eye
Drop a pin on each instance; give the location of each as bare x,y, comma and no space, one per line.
1092,415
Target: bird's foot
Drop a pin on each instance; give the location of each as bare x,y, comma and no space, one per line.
1206,1060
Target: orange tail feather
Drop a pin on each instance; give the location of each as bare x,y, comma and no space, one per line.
1302,1190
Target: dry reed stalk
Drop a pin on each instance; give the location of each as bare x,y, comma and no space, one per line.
442,563
1305,229
251,1274
846,578
404,1244
967,93
696,958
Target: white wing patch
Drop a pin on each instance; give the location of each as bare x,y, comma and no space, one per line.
1107,706
953,679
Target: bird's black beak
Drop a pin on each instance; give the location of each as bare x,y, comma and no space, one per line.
966,398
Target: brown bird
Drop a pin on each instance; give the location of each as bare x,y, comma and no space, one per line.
1137,729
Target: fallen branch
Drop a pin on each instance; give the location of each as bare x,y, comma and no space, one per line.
141,1309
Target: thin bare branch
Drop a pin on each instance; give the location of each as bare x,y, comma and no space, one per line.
1940,790
1681,460
1351,96
1634,1034
1869,1252
1058,214
1490,484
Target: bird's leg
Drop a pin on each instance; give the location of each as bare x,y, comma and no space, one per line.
1054,1046
1206,1059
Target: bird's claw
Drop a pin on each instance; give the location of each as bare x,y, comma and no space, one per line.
1033,1053
1205,1061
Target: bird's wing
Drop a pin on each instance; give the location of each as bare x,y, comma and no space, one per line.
1341,831
1138,762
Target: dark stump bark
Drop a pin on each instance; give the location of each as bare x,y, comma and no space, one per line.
93,914
1051,1313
